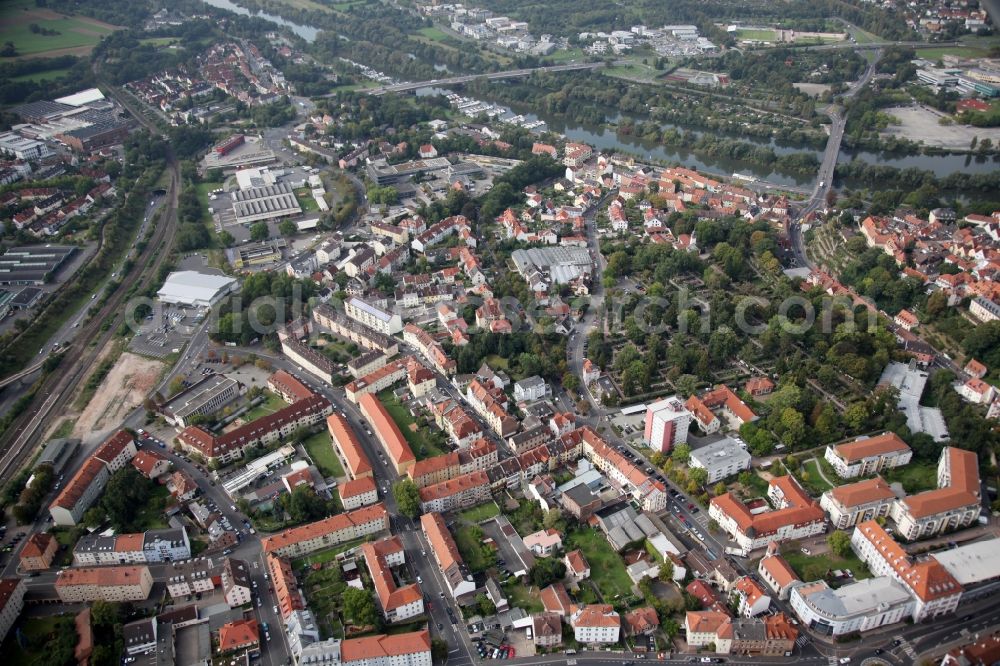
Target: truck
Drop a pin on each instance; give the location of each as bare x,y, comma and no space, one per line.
734,551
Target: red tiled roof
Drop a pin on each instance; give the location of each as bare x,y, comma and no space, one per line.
372,647
928,579
365,484
779,569
329,525
386,429
113,446
350,448
859,449
454,486
862,492
441,541
239,634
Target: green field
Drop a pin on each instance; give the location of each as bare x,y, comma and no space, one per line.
159,41
48,75
814,567
815,483
434,33
325,555
419,439
151,516
468,540
916,476
320,449
607,570
759,35
480,513
271,404
935,53
523,597
36,631
307,201
16,19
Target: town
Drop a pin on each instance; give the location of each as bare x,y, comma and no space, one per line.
312,354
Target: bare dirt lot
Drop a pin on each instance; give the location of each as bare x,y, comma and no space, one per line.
126,386
921,124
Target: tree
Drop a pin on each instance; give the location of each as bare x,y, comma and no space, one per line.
407,497
666,571
106,613
304,505
259,231
485,605
287,228
686,385
670,627
682,453
547,570
840,543
719,489
359,607
125,495
439,649
554,520
698,476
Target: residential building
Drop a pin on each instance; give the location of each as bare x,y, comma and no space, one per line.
979,652
11,603
382,378
857,502
118,584
531,389
984,309
456,575
358,493
795,516
348,448
150,464
461,492
353,331
206,396
374,317
641,621
777,572
977,391
305,539
80,493
396,448
546,630
935,591
868,455
650,493
751,599
38,551
286,586
409,649
596,624
577,567
139,636
544,542
702,628
306,358
666,424
430,348
238,635
954,504
236,582
771,635
398,604
167,545
857,607
721,459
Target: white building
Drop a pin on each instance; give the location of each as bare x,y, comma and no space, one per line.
954,504
596,623
11,603
194,289
530,389
358,493
795,515
861,606
373,317
857,502
868,455
721,459
666,424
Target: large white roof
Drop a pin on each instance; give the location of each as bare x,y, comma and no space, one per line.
193,287
972,563
82,97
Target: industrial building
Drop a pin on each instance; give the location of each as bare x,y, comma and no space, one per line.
270,202
195,289
32,264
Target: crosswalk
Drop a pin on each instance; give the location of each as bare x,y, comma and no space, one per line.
907,647
832,661
802,640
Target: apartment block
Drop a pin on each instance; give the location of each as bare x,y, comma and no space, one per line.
125,583
305,539
857,502
868,455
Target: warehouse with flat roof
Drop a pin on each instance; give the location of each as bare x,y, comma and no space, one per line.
32,264
195,289
265,203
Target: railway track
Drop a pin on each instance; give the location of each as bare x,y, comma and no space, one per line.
55,394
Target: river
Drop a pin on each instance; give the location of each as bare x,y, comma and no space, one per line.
306,32
606,138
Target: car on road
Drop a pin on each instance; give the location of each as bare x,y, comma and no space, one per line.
806,551
440,626
420,580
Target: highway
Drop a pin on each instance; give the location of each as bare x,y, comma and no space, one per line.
492,76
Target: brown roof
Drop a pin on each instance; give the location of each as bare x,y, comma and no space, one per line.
642,619
100,576
881,445
286,587
145,460
750,589
326,526
723,395
596,615
547,624
705,621
778,626
577,562
556,600
235,635
433,464
441,540
779,569
288,385
454,486
372,647
933,502
37,544
7,587
964,467
802,510
113,446
85,636
78,485
350,448
129,543
928,579
365,484
386,429
862,492
390,596
756,384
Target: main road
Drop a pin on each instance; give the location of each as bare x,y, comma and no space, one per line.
491,76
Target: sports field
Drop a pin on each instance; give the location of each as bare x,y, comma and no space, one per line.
41,32
756,35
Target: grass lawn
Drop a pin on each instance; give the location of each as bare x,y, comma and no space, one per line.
320,448
36,631
934,53
915,477
813,567
863,36
325,555
271,404
480,513
307,5
433,33
565,55
48,75
606,567
497,362
422,445
72,33
760,35
307,201
159,41
524,597
815,482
